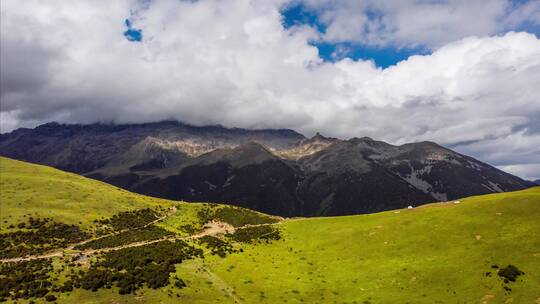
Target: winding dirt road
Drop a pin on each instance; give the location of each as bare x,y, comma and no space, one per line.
212,228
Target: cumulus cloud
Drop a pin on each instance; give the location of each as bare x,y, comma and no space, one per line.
413,23
233,63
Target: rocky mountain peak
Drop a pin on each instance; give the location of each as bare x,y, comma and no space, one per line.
277,171
307,147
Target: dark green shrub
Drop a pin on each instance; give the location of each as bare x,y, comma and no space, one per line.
50,298
265,233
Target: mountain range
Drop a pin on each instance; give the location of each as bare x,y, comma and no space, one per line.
279,172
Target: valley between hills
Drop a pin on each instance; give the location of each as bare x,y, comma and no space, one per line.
67,238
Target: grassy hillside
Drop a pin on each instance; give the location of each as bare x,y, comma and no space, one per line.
66,197
434,254
438,253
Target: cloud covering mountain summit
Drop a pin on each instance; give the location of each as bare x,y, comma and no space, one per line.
234,63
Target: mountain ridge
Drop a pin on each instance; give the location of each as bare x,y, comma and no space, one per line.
279,171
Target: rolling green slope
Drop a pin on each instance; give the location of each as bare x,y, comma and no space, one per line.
438,253
434,254
66,197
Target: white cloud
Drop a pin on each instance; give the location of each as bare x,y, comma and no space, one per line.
527,171
233,63
413,23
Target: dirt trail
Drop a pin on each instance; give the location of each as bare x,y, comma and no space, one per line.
216,228
220,284
61,252
213,228
203,272
159,219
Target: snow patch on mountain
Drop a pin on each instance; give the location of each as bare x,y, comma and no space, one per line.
414,179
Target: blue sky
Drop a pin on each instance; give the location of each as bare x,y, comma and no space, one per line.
382,56
298,14
132,34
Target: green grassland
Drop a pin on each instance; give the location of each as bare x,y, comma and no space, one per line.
66,197
438,253
434,254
